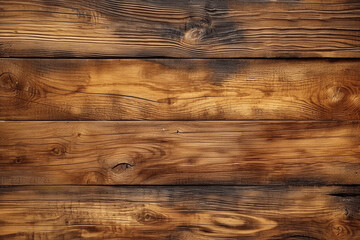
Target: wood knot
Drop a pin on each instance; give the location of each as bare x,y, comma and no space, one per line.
234,223
337,95
194,36
122,166
150,217
341,101
58,150
24,91
19,159
8,82
196,29
340,230
241,222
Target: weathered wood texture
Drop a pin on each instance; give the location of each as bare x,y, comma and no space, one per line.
247,177
179,153
182,28
175,89
180,213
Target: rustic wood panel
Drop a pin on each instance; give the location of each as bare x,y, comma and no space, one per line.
180,213
200,28
179,153
175,89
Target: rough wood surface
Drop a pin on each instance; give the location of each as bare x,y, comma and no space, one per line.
179,89
179,153
180,213
182,28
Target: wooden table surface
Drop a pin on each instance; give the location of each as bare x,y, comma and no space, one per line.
180,120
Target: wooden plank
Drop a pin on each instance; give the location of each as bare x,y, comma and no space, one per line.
199,28
186,213
179,89
179,153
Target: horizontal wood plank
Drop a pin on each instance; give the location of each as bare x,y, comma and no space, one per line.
181,213
182,28
298,153
179,89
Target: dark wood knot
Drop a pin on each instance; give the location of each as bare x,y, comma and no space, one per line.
8,82
147,216
19,159
122,166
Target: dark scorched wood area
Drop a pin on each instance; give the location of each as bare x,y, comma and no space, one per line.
180,120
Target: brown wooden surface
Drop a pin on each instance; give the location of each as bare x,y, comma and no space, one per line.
180,213
200,28
164,153
175,89
286,167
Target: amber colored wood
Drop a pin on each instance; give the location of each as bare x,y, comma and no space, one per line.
164,153
181,213
175,89
181,28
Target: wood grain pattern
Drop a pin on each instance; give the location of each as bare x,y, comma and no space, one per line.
299,153
175,89
292,174
180,213
199,28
